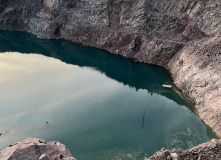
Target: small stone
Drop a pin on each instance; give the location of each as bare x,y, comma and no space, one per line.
42,156
42,141
168,157
12,144
174,156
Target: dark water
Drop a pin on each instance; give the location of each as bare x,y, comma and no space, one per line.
101,106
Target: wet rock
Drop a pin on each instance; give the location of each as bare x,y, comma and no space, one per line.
36,149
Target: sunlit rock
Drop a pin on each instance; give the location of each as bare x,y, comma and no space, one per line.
36,149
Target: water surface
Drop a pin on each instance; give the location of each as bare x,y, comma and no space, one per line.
101,106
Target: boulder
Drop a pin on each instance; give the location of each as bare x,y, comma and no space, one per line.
36,149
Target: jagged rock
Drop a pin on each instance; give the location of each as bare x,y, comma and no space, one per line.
36,149
206,151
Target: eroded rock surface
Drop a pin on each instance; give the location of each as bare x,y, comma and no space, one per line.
182,36
36,149
207,151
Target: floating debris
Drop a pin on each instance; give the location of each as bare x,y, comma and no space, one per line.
166,86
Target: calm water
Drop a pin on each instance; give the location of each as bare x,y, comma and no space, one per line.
94,101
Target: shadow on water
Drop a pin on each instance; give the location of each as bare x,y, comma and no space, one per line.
135,75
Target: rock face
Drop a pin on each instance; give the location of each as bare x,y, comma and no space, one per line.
210,150
35,149
182,36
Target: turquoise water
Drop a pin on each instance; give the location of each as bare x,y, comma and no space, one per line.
101,106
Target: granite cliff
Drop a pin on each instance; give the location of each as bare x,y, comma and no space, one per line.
182,36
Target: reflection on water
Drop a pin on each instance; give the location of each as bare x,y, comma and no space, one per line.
143,117
101,106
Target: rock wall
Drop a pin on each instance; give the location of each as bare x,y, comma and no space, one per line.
182,36
36,149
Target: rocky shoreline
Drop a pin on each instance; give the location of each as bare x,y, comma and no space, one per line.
208,151
182,36
37,149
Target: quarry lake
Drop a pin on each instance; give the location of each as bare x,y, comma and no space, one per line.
101,106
